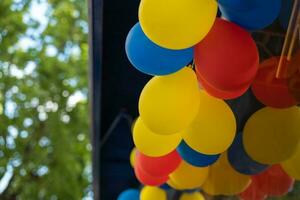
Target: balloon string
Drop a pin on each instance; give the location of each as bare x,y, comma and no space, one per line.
289,42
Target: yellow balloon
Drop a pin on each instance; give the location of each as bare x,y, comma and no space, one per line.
213,130
173,185
224,180
168,104
292,165
177,24
133,123
151,144
153,193
272,135
192,196
132,157
187,176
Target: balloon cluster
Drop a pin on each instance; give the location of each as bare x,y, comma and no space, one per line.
186,135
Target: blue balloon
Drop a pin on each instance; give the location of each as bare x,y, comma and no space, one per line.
262,15
130,194
195,158
237,4
152,59
240,161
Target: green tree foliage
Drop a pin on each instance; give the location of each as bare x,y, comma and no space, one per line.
44,140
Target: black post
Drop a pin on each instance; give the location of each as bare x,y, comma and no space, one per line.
96,52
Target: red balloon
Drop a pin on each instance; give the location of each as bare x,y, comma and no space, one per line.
147,179
294,85
219,93
269,90
227,58
253,192
274,181
294,78
159,166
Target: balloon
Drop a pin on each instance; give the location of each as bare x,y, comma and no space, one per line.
272,135
177,24
237,4
133,156
195,158
173,185
159,166
292,165
231,69
147,179
168,104
294,76
294,86
260,16
131,194
151,193
192,196
274,182
268,89
240,160
152,144
187,176
220,93
213,130
253,192
152,59
224,180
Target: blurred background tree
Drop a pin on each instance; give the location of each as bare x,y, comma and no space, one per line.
44,140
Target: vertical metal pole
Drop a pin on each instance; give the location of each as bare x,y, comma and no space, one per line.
96,54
